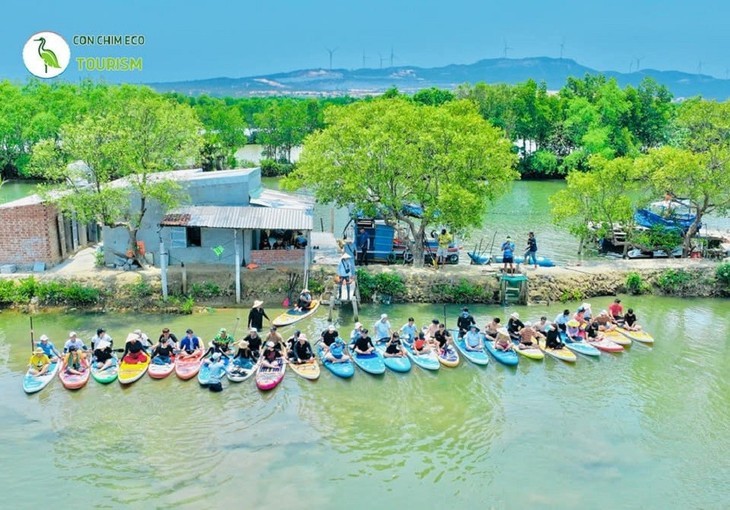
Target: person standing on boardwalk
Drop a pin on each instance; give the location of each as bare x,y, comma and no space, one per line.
508,255
344,273
442,252
531,250
362,243
256,316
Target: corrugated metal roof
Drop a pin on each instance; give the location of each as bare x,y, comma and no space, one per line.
240,217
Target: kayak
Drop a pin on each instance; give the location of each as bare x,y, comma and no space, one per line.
396,363
130,372
74,381
448,357
508,358
187,368
427,361
563,354
607,345
344,369
579,347
309,370
371,363
34,384
291,316
638,336
204,372
161,371
241,369
541,261
107,375
477,357
532,353
617,337
269,378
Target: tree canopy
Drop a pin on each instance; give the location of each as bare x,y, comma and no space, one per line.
382,155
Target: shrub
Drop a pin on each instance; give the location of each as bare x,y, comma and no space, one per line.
204,290
673,281
25,290
366,284
635,284
572,295
186,307
77,294
7,291
462,292
391,284
140,289
271,168
99,257
722,273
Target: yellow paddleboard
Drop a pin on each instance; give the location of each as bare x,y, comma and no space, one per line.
533,353
292,315
309,370
617,337
563,354
638,336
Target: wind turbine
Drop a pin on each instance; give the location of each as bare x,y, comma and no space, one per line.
364,59
392,56
506,48
699,68
331,52
638,63
381,60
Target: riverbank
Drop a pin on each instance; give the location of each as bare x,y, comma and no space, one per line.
78,283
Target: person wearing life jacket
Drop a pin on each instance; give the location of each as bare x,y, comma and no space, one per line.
190,345
75,364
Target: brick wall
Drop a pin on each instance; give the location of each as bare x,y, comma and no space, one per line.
277,257
29,234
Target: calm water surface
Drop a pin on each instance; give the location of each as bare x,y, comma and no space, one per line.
648,428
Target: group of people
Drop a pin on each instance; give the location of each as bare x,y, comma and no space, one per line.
508,253
282,240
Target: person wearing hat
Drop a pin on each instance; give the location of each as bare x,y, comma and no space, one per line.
514,326
382,329
328,336
394,348
221,343
363,344
345,276
304,302
616,311
244,359
473,340
190,345
492,328
217,369
562,319
254,341
49,349
102,355
588,312
431,330
409,331
464,321
74,340
135,350
39,362
573,330
270,357
256,316
100,335
336,351
302,352
508,255
356,333
74,363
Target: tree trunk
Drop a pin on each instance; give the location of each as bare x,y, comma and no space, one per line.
691,231
133,248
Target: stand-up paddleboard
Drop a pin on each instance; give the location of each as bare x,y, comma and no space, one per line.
508,358
241,369
606,345
188,367
579,347
427,360
371,363
74,381
130,372
292,315
161,371
309,370
617,337
106,375
344,369
477,357
448,357
35,383
563,354
396,363
637,336
531,353
269,378
204,373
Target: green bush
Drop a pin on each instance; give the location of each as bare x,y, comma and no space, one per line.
571,295
186,307
635,284
391,284
20,292
658,237
271,168
366,284
140,289
25,290
462,292
722,273
205,290
7,291
99,257
77,294
673,281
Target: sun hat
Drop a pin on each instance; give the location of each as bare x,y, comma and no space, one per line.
38,350
603,312
216,355
243,344
573,323
44,338
302,337
137,331
358,325
270,344
528,324
72,333
253,330
515,315
331,327
222,330
257,303
383,316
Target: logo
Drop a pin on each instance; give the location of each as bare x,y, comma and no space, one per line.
46,54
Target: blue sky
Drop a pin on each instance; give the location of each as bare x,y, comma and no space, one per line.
191,39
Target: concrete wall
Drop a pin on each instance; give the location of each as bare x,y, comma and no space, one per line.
29,234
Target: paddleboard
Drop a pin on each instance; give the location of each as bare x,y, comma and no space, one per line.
579,347
74,381
161,371
291,316
309,370
269,378
34,384
606,345
130,372
241,369
204,373
617,337
344,369
428,360
396,363
448,357
371,363
477,357
563,354
187,368
638,336
508,358
108,375
532,353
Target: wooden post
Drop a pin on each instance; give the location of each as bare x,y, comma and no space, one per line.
163,270
238,266
184,278
332,219
307,258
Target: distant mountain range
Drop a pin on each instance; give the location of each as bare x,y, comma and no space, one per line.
359,82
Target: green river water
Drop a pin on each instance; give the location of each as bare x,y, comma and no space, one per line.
648,428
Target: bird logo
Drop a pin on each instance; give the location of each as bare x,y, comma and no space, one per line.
46,54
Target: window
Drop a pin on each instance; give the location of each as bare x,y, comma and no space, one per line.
193,236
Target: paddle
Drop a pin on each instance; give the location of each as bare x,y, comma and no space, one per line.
32,341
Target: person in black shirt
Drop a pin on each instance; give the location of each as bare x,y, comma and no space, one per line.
303,350
163,351
552,336
254,342
270,357
442,336
329,335
464,322
363,343
256,316
514,326
290,344
394,349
